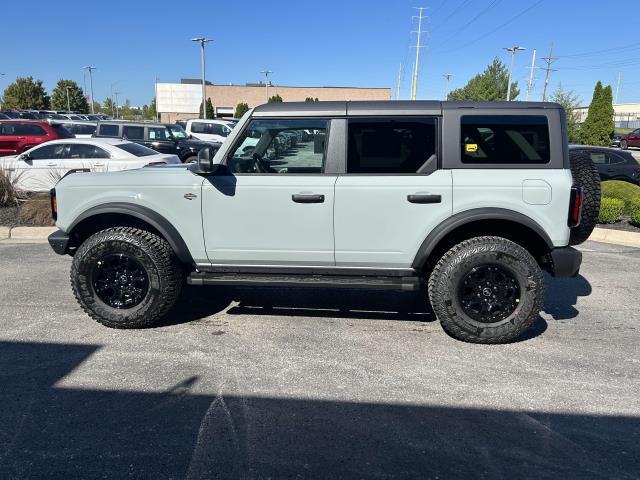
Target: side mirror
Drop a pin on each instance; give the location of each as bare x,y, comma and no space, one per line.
24,156
205,159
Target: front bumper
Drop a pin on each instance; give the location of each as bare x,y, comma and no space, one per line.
565,262
59,241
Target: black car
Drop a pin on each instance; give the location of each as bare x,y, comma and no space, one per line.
612,164
161,137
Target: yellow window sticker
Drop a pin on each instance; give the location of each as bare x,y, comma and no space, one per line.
471,147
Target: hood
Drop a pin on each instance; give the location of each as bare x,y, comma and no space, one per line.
195,143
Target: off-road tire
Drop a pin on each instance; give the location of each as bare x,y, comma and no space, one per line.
585,175
448,275
153,253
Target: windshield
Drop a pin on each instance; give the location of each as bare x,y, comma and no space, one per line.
177,132
136,149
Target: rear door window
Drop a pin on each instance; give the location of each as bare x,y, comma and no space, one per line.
30,130
504,139
81,150
109,130
133,133
391,145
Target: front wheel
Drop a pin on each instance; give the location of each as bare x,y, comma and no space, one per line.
623,144
486,290
125,277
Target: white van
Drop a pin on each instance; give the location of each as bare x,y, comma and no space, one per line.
209,130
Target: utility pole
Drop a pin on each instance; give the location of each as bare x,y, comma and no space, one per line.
266,72
68,102
548,60
1,74
446,85
399,82
618,87
90,69
513,51
202,41
116,99
156,99
417,46
533,66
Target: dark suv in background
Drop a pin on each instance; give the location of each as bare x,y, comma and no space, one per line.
612,164
161,137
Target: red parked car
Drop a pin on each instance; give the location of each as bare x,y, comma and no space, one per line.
631,139
16,136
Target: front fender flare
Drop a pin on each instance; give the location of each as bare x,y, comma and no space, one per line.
157,221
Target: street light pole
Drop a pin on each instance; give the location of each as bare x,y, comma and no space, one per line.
1,96
202,41
91,69
116,97
513,51
68,102
266,72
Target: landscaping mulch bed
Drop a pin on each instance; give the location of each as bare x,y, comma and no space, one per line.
9,217
623,225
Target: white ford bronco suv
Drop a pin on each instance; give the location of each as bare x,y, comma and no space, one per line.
466,201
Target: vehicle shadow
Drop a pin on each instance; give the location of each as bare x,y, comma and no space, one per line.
51,427
562,295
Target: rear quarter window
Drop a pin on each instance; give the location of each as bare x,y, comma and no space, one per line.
136,149
504,139
108,130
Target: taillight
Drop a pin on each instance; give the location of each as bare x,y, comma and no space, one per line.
575,206
54,204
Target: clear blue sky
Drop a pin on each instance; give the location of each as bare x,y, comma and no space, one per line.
320,42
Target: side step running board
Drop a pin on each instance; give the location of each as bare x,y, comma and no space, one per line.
314,281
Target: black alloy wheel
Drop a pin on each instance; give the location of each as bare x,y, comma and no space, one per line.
489,293
119,280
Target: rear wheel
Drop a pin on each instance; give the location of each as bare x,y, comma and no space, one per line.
486,290
191,159
623,144
125,277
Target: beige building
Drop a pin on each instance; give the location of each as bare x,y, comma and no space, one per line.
625,115
179,101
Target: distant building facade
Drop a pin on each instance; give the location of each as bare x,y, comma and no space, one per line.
626,115
179,101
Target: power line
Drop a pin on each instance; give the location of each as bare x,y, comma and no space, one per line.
482,12
495,29
455,10
606,51
417,46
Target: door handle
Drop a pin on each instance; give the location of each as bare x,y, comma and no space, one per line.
304,198
99,164
52,164
424,198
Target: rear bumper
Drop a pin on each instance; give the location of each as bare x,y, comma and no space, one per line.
59,241
566,262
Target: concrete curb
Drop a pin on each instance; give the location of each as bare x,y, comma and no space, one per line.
25,234
40,234
617,237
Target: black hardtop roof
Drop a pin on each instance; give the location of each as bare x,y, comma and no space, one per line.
387,107
135,124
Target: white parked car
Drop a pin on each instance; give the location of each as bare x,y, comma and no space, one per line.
209,130
39,168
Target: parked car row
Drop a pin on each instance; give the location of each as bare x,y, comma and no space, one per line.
612,164
50,115
39,168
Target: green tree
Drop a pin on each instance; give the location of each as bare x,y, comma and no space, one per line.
492,84
210,112
599,125
274,99
311,99
25,93
77,101
570,102
109,107
241,109
150,113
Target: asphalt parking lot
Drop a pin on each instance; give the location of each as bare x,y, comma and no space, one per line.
317,384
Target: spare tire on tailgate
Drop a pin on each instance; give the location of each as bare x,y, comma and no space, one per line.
585,175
